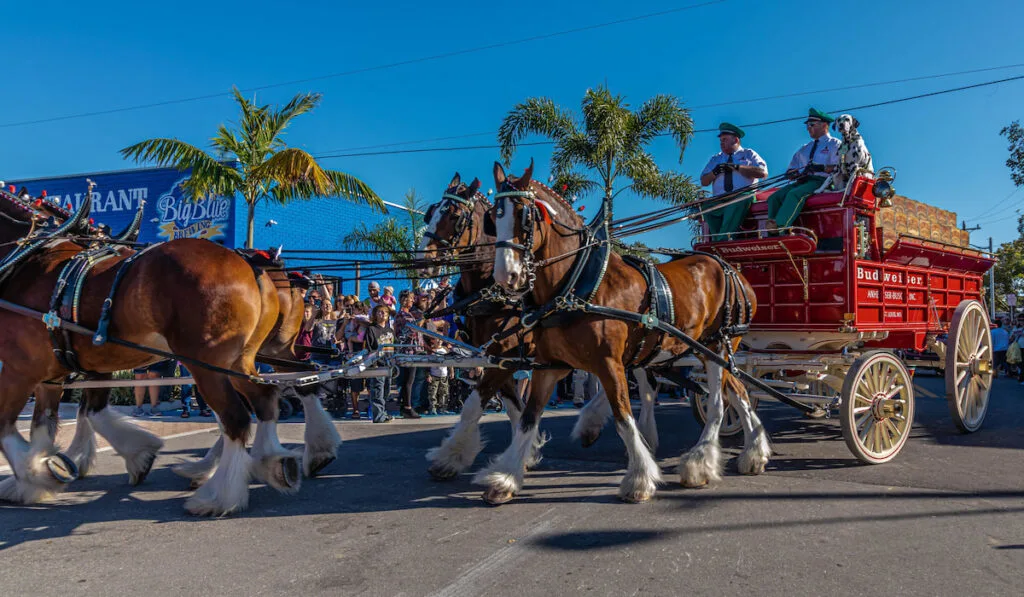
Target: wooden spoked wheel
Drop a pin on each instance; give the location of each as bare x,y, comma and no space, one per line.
969,367
877,407
731,422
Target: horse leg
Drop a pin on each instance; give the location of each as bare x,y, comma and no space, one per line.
227,490
504,475
703,463
200,471
136,445
592,418
756,448
321,436
647,425
82,450
271,462
39,469
642,473
460,448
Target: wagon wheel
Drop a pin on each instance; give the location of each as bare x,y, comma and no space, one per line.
969,366
877,408
731,422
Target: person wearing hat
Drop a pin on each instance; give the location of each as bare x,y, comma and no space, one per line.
371,302
808,169
729,170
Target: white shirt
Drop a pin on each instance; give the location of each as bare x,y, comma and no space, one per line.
826,154
743,157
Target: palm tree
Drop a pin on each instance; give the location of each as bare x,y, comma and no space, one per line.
394,241
610,140
252,159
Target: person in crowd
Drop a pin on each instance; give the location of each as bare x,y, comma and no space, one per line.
187,393
374,299
378,335
355,335
731,169
407,375
148,372
388,298
305,337
437,379
1000,342
809,168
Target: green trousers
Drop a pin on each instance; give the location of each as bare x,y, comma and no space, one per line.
728,219
784,205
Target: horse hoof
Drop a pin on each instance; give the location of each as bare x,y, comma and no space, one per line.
497,497
440,472
137,477
588,438
62,468
636,497
319,463
287,475
689,484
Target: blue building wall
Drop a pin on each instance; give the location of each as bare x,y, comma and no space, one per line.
318,225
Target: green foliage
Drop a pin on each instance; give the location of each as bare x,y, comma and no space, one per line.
267,169
1009,271
394,241
607,139
1015,135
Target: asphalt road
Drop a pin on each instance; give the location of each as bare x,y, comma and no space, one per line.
945,518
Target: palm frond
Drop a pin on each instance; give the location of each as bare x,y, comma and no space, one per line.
279,120
660,114
574,185
208,176
537,115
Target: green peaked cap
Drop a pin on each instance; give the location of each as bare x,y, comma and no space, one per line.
816,114
730,128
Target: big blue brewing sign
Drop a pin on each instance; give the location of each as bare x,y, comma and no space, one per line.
168,213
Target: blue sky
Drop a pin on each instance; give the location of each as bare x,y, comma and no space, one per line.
63,58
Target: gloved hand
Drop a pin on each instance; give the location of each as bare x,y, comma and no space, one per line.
719,169
812,168
792,174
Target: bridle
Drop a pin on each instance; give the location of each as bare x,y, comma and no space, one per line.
528,200
463,222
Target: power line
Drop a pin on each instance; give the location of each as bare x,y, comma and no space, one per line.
716,105
377,67
991,210
995,216
709,130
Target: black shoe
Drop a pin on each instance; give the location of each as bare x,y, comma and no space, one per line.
408,413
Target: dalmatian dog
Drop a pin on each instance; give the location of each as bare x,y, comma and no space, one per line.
853,153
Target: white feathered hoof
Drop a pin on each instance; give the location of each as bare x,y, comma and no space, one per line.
283,473
700,466
140,464
496,496
16,491
211,505
635,495
197,472
751,462
62,469
443,471
312,464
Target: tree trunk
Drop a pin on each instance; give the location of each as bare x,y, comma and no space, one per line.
250,219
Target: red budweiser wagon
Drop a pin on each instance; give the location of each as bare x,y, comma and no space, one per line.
850,297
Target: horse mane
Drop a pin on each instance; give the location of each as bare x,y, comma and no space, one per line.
573,215
23,210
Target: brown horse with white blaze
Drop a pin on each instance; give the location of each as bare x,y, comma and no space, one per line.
191,297
456,233
607,346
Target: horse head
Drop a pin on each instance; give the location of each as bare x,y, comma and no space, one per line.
524,212
453,224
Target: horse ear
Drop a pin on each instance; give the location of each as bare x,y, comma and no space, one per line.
456,181
474,186
524,180
499,175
